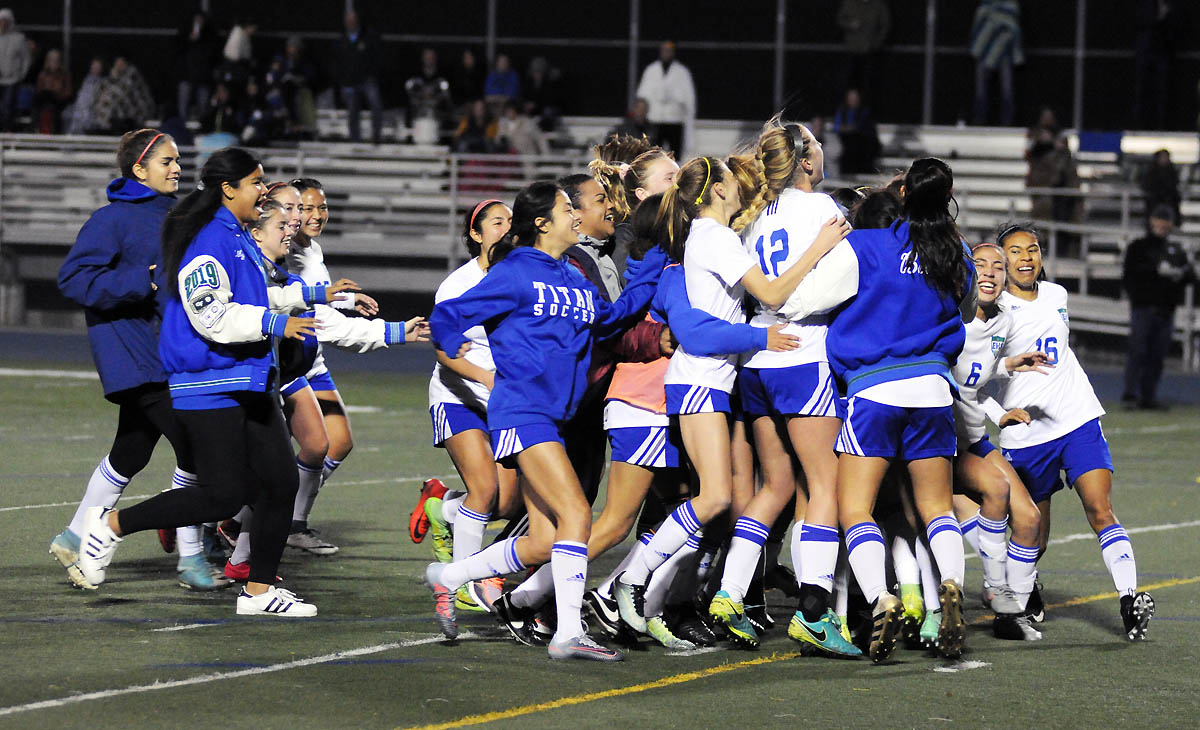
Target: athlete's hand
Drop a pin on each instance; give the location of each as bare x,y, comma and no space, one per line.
416,330
462,351
365,305
777,341
1029,362
298,327
337,287
489,381
831,234
667,342
1015,416
153,286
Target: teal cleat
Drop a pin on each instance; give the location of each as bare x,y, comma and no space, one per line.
65,548
825,634
197,574
731,616
929,628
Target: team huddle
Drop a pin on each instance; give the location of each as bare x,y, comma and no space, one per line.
610,306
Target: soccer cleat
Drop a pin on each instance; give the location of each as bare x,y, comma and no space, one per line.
274,602
228,531
97,545
1015,628
658,629
885,618
485,592
781,577
952,633
65,548
825,634
582,647
844,628
1035,608
1005,603
605,612
418,521
464,601
758,616
730,615
443,601
914,612
1136,612
518,621
166,538
687,623
929,627
443,536
310,541
631,602
210,544
197,574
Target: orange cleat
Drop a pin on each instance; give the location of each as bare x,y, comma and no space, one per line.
418,523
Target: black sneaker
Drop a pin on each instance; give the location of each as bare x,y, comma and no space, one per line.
1035,609
1012,627
685,622
518,621
604,611
761,619
1136,612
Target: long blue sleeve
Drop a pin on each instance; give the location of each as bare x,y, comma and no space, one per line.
491,298
95,275
699,332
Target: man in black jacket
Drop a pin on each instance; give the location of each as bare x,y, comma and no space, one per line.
1156,272
358,76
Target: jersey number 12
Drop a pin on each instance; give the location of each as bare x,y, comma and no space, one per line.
773,254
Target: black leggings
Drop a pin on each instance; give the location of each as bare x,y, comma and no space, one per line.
145,416
243,456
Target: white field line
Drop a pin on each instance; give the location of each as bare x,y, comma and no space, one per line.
218,676
69,374
1131,530
695,652
962,666
184,627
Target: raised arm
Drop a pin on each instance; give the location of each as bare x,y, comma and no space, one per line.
774,292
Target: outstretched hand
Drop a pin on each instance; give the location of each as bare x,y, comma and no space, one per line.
417,330
333,290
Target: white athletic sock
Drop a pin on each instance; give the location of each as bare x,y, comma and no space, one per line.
241,549
683,585
569,562
499,558
993,549
794,549
1022,570
818,555
841,586
1117,551
534,589
946,544
661,580
706,558
744,548
929,575
451,501
187,539
103,490
867,549
311,477
671,536
328,467
605,588
904,562
970,532
468,532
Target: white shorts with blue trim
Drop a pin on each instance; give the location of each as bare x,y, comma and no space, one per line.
648,446
684,400
454,418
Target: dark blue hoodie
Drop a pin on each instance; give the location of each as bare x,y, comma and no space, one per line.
107,272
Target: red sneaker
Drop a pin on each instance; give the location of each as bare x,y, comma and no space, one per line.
166,538
418,523
241,571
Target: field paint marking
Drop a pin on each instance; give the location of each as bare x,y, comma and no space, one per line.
695,652
1168,428
1131,530
1101,596
962,666
63,504
206,678
363,409
605,694
73,374
186,627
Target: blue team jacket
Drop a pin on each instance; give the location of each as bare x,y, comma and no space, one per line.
898,325
541,316
699,332
107,272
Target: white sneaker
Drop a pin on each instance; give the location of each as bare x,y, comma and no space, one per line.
274,602
96,545
1004,601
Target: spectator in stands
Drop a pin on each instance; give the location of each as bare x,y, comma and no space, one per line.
667,85
15,62
477,131
124,102
198,44
1160,184
261,120
635,124
79,117
238,46
855,128
1155,274
357,70
428,92
296,77
502,83
467,84
997,47
1151,62
516,132
220,114
543,94
1051,165
865,25
53,91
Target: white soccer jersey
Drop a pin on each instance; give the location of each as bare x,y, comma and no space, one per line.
1058,402
447,386
777,239
308,262
714,263
982,358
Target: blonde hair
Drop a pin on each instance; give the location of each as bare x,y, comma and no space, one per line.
748,171
693,189
781,147
621,166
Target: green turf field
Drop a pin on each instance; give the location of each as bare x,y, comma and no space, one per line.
141,652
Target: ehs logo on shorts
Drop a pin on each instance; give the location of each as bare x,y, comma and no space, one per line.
997,343
564,301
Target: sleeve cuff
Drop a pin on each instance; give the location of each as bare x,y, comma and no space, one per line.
274,324
760,337
393,333
314,294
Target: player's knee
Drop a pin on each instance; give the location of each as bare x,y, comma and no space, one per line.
1100,516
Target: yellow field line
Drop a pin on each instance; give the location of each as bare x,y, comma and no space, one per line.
605,694
1103,596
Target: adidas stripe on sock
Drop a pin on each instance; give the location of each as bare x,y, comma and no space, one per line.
670,537
104,488
1117,551
744,548
468,532
946,544
993,549
818,555
865,544
569,562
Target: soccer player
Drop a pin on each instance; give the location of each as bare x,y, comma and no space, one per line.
1053,421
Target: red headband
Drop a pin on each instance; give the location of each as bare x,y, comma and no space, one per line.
153,139
273,186
481,206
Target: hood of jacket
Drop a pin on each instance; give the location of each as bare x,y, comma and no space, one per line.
128,190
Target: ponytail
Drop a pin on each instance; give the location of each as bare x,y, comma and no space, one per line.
682,202
781,147
936,243
198,207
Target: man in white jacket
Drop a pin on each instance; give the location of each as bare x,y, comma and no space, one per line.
14,64
667,86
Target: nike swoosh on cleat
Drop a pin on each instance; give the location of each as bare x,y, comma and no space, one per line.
819,637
